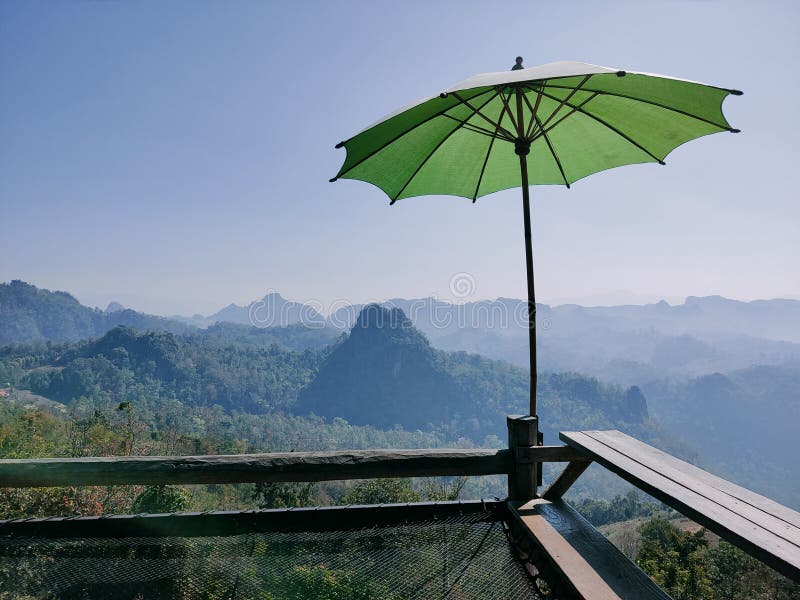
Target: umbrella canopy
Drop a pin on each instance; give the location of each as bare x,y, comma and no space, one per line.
552,124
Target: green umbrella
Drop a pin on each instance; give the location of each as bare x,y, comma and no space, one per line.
552,124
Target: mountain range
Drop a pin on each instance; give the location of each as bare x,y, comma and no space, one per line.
384,373
624,344
273,310
711,388
31,314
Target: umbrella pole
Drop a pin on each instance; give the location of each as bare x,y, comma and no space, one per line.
526,209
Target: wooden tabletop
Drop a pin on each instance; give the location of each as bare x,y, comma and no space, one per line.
759,526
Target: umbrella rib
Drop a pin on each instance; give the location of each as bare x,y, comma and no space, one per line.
432,152
482,131
397,137
651,103
483,116
534,111
473,127
574,108
508,110
485,162
553,152
562,102
534,119
580,109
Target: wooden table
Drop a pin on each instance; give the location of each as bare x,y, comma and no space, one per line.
759,526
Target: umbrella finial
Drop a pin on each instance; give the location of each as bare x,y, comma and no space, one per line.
518,64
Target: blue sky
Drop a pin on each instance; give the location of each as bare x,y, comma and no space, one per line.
175,156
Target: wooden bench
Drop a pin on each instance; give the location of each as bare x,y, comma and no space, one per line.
757,525
573,556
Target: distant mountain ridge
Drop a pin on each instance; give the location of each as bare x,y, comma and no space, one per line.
715,410
709,386
273,310
444,323
114,307
31,314
776,319
383,373
773,319
625,344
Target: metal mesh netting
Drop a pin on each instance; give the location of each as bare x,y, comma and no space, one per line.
464,556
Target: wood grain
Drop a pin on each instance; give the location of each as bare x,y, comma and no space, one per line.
587,563
737,522
523,435
286,466
247,468
677,470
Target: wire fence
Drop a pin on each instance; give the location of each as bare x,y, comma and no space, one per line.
457,557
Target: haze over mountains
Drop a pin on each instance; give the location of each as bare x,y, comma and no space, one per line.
383,375
625,344
31,314
777,319
697,367
271,311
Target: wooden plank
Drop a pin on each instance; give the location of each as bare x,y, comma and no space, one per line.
539,454
564,481
328,518
570,567
675,470
289,466
727,523
763,503
246,468
754,539
589,565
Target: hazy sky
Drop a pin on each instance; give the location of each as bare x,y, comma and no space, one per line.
175,156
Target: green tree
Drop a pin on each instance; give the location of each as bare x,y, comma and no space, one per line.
161,499
283,495
736,575
675,560
381,491
443,488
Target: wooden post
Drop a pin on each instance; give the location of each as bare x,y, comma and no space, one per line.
522,432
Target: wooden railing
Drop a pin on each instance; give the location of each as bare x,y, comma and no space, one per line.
561,538
286,466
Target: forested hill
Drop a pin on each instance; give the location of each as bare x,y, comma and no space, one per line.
153,366
31,314
384,373
713,410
